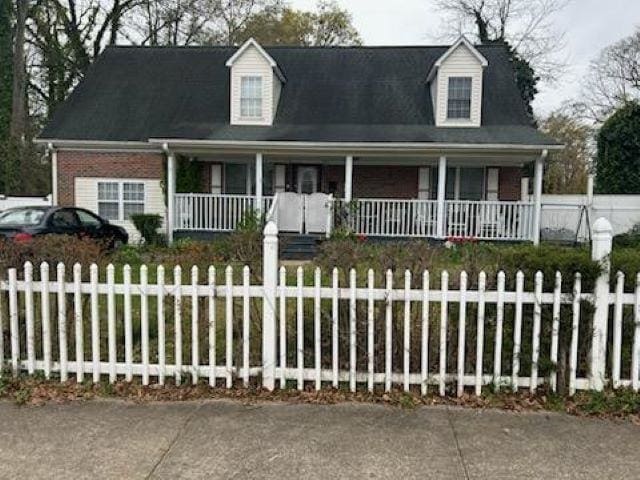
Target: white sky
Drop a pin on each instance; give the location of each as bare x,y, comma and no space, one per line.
590,25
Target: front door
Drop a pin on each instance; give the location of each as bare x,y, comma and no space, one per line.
307,180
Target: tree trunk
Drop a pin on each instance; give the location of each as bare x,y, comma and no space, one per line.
18,104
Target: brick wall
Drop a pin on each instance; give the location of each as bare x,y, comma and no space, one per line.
374,181
509,184
333,176
385,182
72,164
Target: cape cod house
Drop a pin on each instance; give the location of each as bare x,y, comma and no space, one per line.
391,141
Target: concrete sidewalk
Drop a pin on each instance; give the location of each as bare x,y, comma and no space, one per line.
219,439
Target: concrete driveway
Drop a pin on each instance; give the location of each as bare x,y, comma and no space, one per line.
222,439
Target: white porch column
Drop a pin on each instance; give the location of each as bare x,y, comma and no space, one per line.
442,185
54,174
348,178
537,196
171,194
259,183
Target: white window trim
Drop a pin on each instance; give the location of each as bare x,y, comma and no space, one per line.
262,109
121,201
459,119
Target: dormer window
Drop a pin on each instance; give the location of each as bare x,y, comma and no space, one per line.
455,80
255,87
251,97
459,98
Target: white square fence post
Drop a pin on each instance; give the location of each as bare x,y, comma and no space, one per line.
600,252
270,282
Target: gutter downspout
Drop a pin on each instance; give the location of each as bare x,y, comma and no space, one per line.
53,153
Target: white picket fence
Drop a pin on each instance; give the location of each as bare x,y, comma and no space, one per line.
209,330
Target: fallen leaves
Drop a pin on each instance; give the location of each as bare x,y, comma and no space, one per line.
37,391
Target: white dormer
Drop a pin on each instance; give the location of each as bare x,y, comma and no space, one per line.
256,82
456,86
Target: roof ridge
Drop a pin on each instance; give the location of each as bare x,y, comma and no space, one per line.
294,47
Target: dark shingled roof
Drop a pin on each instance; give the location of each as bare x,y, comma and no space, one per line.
359,94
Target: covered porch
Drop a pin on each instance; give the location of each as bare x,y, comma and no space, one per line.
443,195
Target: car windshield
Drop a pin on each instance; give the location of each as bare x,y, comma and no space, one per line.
22,217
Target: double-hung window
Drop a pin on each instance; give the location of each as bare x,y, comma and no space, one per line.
109,200
459,98
132,199
251,97
117,200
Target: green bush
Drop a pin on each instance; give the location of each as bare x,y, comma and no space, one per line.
618,158
628,239
627,261
148,225
472,258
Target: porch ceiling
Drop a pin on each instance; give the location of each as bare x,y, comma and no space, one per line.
332,149
314,158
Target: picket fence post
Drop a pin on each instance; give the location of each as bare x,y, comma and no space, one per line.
600,252
270,282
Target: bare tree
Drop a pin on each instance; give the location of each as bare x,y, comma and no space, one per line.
19,103
232,16
168,22
193,22
527,25
65,37
613,79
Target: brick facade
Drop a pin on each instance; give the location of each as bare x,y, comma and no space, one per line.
385,182
510,179
72,164
369,181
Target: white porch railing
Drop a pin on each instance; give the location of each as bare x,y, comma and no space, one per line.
483,220
388,218
217,213
486,220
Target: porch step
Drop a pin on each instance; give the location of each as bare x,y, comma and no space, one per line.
299,247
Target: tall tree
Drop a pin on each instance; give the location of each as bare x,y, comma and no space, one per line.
618,160
66,37
232,16
19,87
159,22
6,83
525,26
328,25
567,170
612,80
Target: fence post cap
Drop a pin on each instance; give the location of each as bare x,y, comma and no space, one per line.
271,230
602,225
